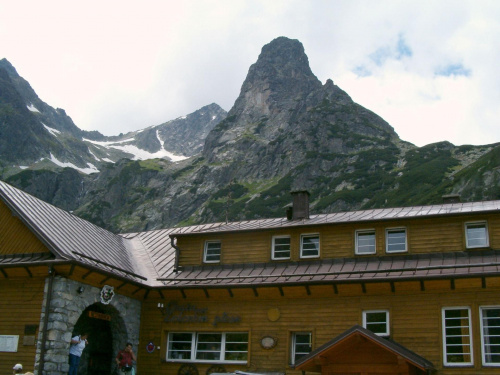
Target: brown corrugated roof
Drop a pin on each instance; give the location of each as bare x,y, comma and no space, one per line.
149,258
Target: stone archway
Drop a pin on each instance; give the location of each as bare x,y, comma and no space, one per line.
71,301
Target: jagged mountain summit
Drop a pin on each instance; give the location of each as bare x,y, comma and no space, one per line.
286,131
36,136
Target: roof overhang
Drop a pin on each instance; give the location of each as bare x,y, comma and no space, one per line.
358,349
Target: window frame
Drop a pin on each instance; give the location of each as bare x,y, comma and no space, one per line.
356,241
293,345
392,230
483,352
445,336
194,349
205,249
273,248
486,233
302,236
387,332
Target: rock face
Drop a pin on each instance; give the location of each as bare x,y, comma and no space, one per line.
286,131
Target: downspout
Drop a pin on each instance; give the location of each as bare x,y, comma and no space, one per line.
177,253
41,364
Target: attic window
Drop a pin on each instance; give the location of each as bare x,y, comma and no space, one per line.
211,253
281,247
476,234
309,246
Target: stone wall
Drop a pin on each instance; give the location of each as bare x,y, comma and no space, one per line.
66,308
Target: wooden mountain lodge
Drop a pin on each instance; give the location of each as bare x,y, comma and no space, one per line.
410,290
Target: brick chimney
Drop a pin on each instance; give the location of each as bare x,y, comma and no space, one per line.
300,206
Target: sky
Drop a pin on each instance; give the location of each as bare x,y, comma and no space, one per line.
430,68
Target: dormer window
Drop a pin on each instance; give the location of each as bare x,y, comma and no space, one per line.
395,240
211,253
281,247
365,242
309,246
476,234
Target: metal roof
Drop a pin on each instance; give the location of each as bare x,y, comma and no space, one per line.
71,238
379,214
148,258
345,270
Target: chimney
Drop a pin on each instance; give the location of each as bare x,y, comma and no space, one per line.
300,207
451,198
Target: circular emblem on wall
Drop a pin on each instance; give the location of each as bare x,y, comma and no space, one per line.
150,348
273,314
107,293
268,342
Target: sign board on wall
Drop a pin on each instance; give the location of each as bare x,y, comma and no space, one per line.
8,343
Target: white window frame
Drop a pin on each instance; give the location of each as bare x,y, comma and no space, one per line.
293,346
273,253
302,236
357,244
194,348
445,336
467,239
205,251
391,230
483,338
387,332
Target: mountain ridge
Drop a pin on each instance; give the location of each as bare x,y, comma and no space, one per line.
285,131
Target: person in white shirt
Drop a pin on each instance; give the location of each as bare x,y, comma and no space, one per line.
78,343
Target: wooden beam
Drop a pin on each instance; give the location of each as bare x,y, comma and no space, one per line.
335,289
122,285
28,272
422,286
135,291
183,293
105,279
230,292
4,273
146,294
363,288
161,294
393,287
281,291
87,274
206,293
255,293
308,291
71,270
483,282
452,284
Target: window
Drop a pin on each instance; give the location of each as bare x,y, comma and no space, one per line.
476,235
309,246
212,252
457,337
377,321
281,247
395,240
301,345
490,335
231,347
365,242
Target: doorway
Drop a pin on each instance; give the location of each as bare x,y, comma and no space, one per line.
97,358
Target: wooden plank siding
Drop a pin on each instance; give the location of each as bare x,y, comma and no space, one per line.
21,305
15,237
415,321
429,235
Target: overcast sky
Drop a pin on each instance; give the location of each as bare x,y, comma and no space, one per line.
429,67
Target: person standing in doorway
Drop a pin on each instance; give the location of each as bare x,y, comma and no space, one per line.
78,343
124,359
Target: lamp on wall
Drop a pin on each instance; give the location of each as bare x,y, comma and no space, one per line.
80,290
161,307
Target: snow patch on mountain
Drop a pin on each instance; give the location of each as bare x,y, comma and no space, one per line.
138,154
52,131
91,169
32,108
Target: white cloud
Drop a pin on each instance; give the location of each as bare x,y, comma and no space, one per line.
118,66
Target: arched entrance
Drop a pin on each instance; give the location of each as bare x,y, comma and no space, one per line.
98,320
